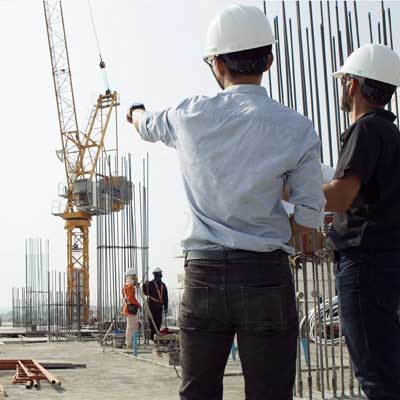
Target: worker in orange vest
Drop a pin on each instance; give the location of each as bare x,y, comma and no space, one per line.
157,294
131,306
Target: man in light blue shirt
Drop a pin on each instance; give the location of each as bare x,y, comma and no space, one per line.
237,151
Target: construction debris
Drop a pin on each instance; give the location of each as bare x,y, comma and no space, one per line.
11,364
30,373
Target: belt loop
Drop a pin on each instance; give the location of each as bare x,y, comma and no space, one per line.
186,256
225,252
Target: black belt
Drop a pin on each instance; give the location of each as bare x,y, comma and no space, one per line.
225,255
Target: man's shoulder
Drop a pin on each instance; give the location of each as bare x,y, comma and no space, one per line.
193,102
293,124
370,128
290,116
377,122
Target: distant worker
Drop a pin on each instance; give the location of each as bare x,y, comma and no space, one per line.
237,150
131,306
157,294
365,234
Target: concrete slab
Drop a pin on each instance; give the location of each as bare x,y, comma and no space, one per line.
107,376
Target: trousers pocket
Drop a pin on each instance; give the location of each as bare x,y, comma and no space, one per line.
265,306
195,302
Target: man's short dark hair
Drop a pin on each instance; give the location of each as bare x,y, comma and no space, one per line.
247,62
376,92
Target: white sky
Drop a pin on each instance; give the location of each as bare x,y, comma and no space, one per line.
153,51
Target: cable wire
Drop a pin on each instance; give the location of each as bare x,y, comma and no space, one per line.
95,30
316,322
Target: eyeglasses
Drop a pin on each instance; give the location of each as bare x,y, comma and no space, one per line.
209,60
349,77
346,78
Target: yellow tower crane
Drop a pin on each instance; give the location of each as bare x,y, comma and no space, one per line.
85,195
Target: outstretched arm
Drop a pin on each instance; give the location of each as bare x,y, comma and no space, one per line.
133,115
154,126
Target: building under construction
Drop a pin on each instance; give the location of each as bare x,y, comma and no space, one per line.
313,40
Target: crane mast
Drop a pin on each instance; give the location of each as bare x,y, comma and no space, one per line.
80,152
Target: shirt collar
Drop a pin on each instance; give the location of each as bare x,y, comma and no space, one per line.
247,89
379,112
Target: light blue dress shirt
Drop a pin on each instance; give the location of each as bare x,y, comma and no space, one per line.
236,151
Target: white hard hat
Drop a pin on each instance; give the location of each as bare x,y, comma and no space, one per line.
130,272
373,61
238,28
155,270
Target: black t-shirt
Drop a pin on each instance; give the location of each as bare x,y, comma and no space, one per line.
370,150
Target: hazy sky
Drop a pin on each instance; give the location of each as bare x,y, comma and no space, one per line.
153,50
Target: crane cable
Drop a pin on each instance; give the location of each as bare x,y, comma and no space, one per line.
102,63
95,31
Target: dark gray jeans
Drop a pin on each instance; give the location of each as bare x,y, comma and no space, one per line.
253,298
368,286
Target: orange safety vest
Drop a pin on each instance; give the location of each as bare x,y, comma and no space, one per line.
159,293
131,300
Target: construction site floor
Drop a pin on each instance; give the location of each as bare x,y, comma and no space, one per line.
107,376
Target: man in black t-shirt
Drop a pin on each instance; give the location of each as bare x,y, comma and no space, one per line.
365,233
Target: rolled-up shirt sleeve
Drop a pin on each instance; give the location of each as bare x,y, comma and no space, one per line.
305,183
159,126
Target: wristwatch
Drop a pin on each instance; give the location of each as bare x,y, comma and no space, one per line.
136,106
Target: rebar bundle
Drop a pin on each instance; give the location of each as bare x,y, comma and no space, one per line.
313,40
30,302
122,240
41,305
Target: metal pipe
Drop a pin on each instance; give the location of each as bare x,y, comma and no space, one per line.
316,86
49,376
327,103
293,65
356,19
385,40
371,38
